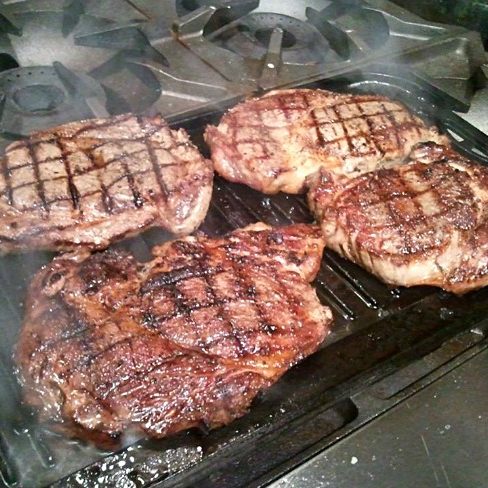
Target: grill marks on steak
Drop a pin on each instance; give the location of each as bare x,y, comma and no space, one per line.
273,143
423,223
89,183
191,337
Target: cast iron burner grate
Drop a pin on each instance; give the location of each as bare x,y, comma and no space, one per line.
232,9
267,46
301,42
126,51
44,96
53,24
57,61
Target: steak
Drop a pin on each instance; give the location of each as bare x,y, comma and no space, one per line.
274,142
110,344
89,183
422,223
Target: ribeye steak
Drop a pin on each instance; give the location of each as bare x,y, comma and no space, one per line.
422,223
110,344
86,184
274,142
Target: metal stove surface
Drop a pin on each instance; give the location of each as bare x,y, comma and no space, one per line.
62,61
436,438
119,56
277,43
173,56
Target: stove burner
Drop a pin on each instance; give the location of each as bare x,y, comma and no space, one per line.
263,36
45,96
86,36
236,8
301,43
38,98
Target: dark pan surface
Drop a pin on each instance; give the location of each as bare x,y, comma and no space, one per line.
377,331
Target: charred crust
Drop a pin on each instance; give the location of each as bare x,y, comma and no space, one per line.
128,342
275,238
102,268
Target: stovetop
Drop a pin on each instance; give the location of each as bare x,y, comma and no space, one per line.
442,427
61,61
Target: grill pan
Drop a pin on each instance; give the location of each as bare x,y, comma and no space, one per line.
384,344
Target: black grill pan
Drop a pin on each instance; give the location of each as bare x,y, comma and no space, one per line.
378,335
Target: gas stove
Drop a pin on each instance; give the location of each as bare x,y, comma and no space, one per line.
94,58
68,60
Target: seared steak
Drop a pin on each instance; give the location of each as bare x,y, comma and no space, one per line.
415,224
109,343
86,184
274,142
